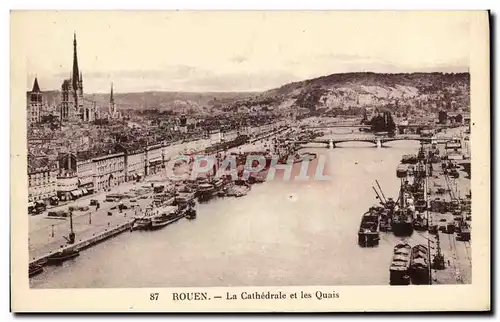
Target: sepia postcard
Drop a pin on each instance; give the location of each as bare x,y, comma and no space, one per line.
250,161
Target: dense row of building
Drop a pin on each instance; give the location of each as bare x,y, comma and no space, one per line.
70,176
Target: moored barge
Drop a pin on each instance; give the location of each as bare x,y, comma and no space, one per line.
419,265
35,270
62,256
400,265
369,228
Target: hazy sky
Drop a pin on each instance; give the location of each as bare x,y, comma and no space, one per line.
236,51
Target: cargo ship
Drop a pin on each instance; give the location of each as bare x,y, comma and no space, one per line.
419,265
404,212
400,265
369,229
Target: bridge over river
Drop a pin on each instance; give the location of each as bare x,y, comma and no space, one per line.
374,139
366,126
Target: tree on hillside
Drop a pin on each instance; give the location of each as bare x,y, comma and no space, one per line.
383,123
442,117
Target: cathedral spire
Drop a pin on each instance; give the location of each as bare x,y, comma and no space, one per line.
111,99
76,73
36,88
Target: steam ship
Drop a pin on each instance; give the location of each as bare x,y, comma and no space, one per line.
404,212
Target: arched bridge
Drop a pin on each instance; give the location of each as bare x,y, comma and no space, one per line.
376,140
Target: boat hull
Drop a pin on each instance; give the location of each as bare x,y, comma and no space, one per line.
161,224
399,278
400,265
420,276
36,270
141,225
368,239
402,229
205,195
57,260
419,265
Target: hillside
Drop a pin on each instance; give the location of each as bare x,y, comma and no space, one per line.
418,91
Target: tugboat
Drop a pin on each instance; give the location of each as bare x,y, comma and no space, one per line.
35,270
419,265
62,255
369,229
399,270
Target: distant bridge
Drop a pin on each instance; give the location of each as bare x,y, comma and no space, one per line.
376,140
365,126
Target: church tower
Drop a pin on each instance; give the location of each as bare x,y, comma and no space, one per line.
35,104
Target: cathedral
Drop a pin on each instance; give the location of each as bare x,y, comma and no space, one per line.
73,106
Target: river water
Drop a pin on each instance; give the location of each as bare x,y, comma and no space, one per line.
281,233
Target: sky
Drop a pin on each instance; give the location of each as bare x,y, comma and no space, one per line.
234,51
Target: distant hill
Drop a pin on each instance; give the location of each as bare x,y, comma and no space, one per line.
420,90
348,90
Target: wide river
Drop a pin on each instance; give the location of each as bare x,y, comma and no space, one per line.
281,233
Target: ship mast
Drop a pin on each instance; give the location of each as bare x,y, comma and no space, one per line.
385,200
378,196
